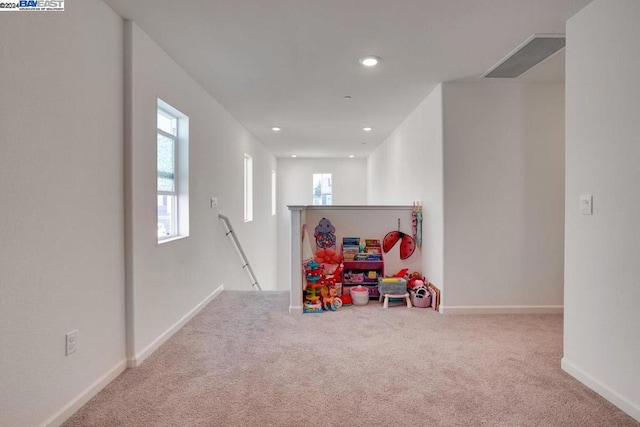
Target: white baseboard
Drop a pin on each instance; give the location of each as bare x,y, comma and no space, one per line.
295,309
137,359
76,403
604,391
502,309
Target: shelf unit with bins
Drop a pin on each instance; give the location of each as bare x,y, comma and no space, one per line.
363,272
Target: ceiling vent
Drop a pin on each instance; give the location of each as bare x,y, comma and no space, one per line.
534,50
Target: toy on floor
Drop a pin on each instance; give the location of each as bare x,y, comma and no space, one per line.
420,295
418,283
329,299
360,295
415,279
312,308
313,272
312,303
311,295
346,300
325,285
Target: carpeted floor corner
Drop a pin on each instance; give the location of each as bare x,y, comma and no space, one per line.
244,361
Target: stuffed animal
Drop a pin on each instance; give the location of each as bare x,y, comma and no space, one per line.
325,234
415,280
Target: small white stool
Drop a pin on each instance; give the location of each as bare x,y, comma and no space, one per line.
387,296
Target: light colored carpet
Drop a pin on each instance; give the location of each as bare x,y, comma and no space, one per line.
244,361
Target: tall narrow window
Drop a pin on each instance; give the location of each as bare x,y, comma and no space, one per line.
172,170
322,194
248,188
273,192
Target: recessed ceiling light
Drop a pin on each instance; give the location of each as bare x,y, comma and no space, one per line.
369,61
294,156
275,129
347,97
367,129
351,156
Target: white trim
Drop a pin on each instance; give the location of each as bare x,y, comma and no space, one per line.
167,134
274,190
295,295
295,309
604,391
77,402
248,187
137,359
172,238
350,207
502,309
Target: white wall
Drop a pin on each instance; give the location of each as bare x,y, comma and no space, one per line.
295,187
166,281
61,209
504,194
602,290
408,167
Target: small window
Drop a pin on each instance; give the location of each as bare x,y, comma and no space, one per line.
172,157
273,192
322,189
248,188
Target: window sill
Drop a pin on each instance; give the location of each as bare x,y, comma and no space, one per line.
172,239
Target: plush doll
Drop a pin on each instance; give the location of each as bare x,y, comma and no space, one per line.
415,280
325,234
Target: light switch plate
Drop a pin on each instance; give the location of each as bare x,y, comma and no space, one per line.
586,204
214,202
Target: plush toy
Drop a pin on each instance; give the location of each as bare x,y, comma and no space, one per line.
418,283
416,280
325,234
401,273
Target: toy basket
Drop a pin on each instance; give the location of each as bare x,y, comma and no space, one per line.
360,295
392,286
353,277
420,299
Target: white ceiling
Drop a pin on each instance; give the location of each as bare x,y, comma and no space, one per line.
289,63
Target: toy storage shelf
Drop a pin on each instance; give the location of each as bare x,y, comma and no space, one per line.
357,273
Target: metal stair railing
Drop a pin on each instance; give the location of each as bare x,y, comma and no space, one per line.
246,265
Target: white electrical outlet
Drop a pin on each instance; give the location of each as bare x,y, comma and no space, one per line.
214,202
586,204
72,342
